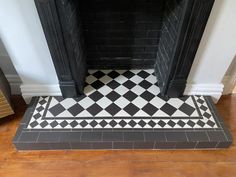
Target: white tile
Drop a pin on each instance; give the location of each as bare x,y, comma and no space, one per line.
195,114
157,102
84,113
53,102
139,102
150,71
154,90
122,102
136,79
141,113
106,79
122,113
68,102
104,102
106,71
105,90
90,79
49,114
175,102
121,79
121,90
138,90
65,114
160,113
190,102
86,102
152,79
103,113
89,90
91,71
179,113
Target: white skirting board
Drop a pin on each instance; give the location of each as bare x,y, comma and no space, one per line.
28,91
213,90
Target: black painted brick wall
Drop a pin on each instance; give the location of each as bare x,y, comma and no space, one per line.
169,34
121,33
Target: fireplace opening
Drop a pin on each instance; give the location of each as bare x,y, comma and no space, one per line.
121,34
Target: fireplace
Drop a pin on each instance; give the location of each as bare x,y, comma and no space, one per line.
124,34
121,62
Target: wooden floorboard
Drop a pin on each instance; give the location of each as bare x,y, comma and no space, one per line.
142,163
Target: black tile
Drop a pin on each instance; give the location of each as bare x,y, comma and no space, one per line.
203,145
91,136
123,123
147,95
40,108
113,96
70,136
131,109
155,136
165,145
94,109
103,123
57,109
143,145
113,136
97,84
129,84
176,136
122,145
113,84
74,123
95,96
133,136
54,123
81,145
113,109
216,136
143,74
61,146
128,74
75,109
197,136
64,123
98,74
49,137
28,137
187,109
150,109
113,74
145,84
102,145
168,109
130,96
224,144
32,146
185,145
18,132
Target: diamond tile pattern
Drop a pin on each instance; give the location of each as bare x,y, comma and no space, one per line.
121,99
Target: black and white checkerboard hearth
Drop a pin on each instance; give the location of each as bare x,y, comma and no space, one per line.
126,107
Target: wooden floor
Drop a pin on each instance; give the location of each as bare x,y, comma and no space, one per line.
116,163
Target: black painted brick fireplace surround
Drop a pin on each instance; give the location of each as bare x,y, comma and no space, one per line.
124,34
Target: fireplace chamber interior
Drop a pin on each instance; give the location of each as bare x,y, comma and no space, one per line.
120,34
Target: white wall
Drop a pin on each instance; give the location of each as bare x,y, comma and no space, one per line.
23,37
216,51
22,34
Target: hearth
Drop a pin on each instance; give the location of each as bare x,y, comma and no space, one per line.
124,34
119,64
